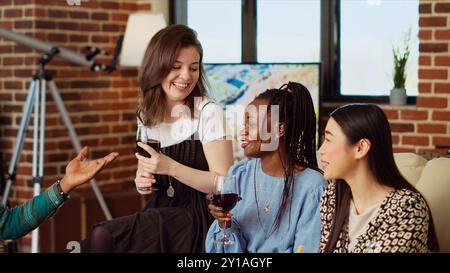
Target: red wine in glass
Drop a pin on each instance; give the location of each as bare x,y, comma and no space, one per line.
155,144
226,198
226,201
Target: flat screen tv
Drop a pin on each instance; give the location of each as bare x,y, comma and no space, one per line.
239,84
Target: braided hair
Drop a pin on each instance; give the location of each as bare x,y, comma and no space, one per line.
299,140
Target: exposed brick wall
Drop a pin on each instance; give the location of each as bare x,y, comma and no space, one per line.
100,105
425,127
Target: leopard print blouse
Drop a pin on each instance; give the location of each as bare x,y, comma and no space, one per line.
401,224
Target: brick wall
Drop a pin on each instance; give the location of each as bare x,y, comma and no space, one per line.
425,127
428,124
100,105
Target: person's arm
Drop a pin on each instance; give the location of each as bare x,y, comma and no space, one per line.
307,235
216,145
234,234
18,221
326,207
412,217
218,153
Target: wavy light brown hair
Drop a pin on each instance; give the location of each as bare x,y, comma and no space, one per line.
159,58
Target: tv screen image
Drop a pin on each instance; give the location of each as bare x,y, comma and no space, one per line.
233,85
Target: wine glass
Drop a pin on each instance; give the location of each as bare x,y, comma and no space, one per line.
152,139
225,196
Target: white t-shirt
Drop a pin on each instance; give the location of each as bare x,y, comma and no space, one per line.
209,120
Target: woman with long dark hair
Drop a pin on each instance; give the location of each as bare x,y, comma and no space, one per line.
194,149
370,206
281,185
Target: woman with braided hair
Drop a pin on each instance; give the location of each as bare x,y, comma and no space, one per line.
280,184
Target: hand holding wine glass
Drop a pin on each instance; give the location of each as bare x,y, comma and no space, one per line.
224,197
143,177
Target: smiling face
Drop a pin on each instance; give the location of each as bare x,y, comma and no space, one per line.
256,116
250,142
183,76
336,155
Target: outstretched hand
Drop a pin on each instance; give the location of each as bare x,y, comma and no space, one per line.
80,171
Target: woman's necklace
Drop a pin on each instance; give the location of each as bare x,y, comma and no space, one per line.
266,208
170,191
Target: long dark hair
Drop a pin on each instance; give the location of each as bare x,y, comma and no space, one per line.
359,121
299,140
159,58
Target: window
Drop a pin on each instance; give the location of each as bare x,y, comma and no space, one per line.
352,39
218,25
368,31
288,31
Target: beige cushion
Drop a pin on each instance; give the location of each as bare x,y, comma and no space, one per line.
434,184
410,165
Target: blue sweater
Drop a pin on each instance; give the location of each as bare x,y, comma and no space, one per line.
300,224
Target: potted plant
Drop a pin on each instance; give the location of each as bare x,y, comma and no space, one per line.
398,93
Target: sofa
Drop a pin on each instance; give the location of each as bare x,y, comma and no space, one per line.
432,179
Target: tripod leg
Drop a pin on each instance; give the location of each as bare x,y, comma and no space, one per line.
20,138
38,155
76,143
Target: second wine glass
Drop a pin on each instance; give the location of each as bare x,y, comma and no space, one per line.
225,196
